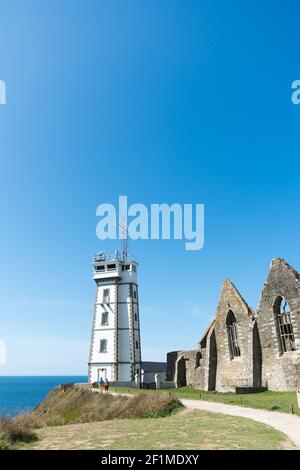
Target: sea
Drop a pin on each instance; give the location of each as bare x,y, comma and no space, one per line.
22,394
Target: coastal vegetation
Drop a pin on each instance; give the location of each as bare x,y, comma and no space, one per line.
79,405
14,431
75,418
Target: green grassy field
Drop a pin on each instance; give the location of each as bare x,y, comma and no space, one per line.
273,401
183,430
75,406
80,419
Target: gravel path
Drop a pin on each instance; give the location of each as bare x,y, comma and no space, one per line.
287,423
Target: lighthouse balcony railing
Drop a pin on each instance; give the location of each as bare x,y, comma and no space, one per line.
116,256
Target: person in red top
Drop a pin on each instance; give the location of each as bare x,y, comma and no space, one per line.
106,385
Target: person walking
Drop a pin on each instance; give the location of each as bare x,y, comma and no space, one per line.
106,385
101,384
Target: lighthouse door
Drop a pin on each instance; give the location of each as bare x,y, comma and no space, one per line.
102,373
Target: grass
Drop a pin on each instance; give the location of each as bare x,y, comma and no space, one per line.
15,431
152,419
184,430
273,401
82,405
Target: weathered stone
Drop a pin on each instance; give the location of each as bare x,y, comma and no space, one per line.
280,370
242,348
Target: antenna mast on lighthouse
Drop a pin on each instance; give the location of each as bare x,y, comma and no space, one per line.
125,243
124,236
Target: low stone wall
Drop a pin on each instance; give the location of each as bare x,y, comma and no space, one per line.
112,384
123,384
162,384
167,384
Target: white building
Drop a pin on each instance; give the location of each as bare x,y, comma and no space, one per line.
115,351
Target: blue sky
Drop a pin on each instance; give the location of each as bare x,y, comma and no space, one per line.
163,101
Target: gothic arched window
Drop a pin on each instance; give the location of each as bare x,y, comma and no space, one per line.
284,325
231,324
198,359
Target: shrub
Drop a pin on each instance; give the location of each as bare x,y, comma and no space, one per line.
15,430
81,405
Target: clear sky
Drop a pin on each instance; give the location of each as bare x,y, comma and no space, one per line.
163,101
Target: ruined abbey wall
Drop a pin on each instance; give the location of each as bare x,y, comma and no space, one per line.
245,349
280,370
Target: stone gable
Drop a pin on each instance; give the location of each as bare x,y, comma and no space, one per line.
243,348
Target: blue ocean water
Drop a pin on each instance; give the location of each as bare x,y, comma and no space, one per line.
21,394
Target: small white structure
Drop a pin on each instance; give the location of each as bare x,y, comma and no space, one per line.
115,351
152,369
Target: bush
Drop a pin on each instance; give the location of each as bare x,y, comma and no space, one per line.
82,405
15,430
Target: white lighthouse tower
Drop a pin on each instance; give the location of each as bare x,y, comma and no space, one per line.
115,351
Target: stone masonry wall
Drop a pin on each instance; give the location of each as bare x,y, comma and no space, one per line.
237,371
281,371
186,368
261,363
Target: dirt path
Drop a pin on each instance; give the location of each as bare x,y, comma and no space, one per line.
287,423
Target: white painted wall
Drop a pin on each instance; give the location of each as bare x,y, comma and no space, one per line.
122,330
124,372
97,372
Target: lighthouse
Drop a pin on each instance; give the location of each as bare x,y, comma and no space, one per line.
115,350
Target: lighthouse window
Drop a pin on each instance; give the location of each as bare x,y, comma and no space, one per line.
100,268
135,316
127,267
111,267
104,319
136,345
134,268
105,296
134,294
103,345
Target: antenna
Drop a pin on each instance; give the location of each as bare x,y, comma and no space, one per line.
124,232
125,243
